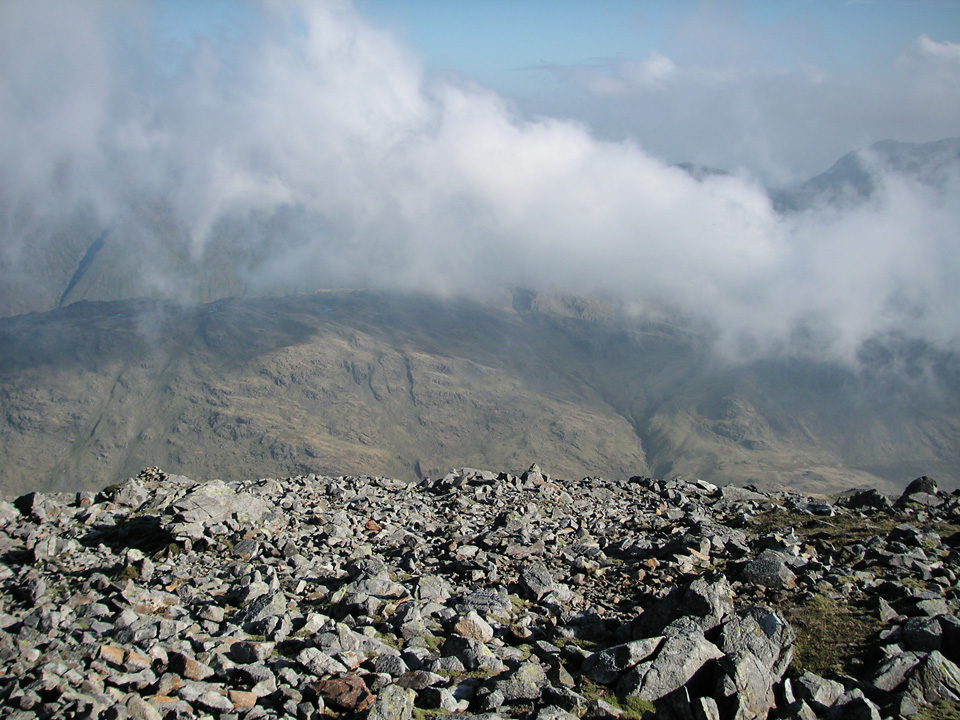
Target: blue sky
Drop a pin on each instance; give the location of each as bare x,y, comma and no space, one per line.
486,39
780,88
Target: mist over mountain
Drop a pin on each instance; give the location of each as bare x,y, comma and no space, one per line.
499,286
314,151
859,176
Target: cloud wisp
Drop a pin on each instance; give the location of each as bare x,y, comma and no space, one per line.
317,152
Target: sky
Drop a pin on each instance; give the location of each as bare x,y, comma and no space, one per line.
734,84
455,145
778,88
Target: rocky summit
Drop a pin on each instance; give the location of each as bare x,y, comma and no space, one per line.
480,594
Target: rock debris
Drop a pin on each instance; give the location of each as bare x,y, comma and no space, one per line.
479,594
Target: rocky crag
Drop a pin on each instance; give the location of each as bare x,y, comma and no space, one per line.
481,594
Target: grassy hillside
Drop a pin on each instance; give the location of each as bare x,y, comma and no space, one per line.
407,386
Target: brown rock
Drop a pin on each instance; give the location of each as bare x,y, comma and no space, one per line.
215,701
140,709
372,527
188,667
113,654
473,626
168,684
242,699
347,692
136,661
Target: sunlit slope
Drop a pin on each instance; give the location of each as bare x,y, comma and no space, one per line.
363,382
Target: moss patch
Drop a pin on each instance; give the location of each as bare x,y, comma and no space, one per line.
830,635
422,714
633,708
940,710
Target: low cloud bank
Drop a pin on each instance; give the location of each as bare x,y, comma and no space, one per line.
316,152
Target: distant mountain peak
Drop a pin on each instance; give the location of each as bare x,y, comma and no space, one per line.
855,176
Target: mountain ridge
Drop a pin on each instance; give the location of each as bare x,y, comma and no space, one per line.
405,384
854,177
401,384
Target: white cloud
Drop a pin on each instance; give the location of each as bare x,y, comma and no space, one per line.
942,50
782,122
319,153
632,76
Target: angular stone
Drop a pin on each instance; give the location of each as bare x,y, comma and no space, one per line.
419,679
8,513
247,652
606,666
748,686
264,606
213,613
923,633
922,485
933,608
819,692
906,534
131,493
135,681
870,498
140,709
113,654
188,667
739,494
472,653
486,601
440,699
710,599
473,626
705,708
432,587
32,587
393,703
347,692
937,678
319,663
134,661
551,712
489,699
770,570
214,501
33,505
537,580
763,633
242,699
887,613
892,673
392,665
524,683
680,657
168,684
213,700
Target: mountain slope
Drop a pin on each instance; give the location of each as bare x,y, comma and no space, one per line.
353,381
857,175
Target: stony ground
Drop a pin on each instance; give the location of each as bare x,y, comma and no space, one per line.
480,594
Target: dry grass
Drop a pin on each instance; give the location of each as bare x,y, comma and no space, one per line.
831,636
940,710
